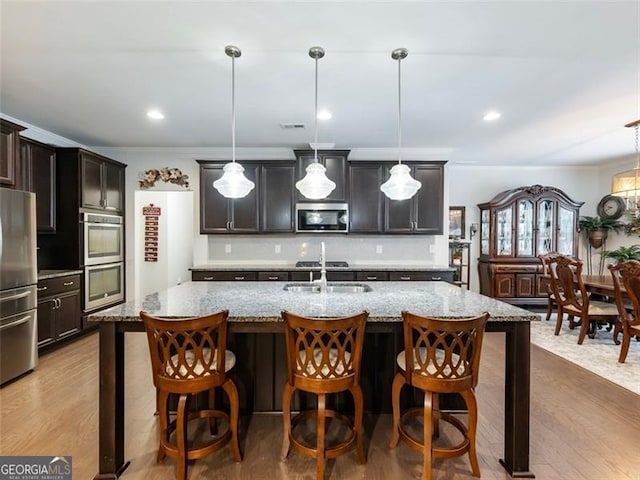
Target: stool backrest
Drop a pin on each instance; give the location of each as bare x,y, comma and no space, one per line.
187,355
442,355
323,354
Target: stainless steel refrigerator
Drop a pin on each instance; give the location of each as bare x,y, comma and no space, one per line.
18,279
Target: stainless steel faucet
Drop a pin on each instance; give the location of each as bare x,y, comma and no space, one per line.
323,270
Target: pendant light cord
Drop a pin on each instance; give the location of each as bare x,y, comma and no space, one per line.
399,112
315,116
233,109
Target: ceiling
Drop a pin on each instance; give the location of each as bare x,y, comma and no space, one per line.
565,76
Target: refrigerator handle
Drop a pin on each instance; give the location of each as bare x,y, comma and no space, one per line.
17,296
16,322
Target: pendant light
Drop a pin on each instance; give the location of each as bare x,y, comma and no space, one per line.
400,186
315,184
233,183
627,184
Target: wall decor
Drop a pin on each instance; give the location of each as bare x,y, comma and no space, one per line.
151,219
166,177
456,222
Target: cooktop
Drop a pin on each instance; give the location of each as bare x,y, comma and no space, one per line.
315,264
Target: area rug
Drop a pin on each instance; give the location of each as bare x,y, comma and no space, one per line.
598,355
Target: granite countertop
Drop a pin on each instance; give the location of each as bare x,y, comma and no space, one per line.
48,274
264,301
290,268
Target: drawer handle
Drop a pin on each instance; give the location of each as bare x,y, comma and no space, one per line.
239,278
41,289
68,284
372,277
436,278
405,278
273,278
207,278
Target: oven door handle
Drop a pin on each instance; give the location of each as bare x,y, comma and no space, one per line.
15,323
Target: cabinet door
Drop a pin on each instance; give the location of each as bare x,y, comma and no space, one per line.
336,164
546,226
46,330
113,187
504,232
244,211
9,152
505,285
68,314
91,181
524,225
566,231
214,208
277,198
525,285
398,214
365,198
428,203
39,169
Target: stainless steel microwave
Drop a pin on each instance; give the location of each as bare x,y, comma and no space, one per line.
322,217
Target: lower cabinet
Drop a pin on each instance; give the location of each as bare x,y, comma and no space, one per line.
424,276
332,276
59,309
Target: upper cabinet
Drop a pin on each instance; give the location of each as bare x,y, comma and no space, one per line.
267,209
38,162
9,153
102,182
335,161
370,211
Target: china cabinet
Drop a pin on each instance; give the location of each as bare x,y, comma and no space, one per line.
515,227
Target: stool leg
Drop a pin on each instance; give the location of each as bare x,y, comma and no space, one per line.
435,418
320,455
213,421
428,414
398,383
181,437
232,392
163,414
356,391
286,417
472,407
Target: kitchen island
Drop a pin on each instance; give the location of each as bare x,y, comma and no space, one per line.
254,308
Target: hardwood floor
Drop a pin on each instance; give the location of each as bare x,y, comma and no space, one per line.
582,426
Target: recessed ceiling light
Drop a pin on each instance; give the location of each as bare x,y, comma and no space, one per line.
491,116
324,115
155,114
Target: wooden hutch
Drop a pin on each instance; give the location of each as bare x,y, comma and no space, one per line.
515,227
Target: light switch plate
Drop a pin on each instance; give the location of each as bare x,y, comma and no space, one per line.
277,249
379,249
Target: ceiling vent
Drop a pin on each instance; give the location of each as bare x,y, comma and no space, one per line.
293,126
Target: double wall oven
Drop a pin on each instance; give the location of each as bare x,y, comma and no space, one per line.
103,260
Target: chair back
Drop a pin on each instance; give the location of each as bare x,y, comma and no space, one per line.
187,355
442,355
627,275
566,272
323,354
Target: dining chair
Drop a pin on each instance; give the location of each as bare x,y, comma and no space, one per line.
547,279
439,356
629,273
189,356
572,298
323,357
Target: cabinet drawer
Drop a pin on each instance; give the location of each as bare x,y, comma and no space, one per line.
223,276
432,276
273,276
54,286
372,276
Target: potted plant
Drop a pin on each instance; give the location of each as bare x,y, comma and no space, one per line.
597,228
622,254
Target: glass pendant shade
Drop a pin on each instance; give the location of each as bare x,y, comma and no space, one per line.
401,185
315,184
627,184
233,183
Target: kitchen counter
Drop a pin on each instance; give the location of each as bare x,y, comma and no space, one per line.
384,303
49,274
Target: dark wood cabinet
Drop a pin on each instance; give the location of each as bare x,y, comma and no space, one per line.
227,215
332,275
277,193
366,200
59,309
102,183
38,163
9,153
224,276
372,276
273,276
421,276
515,227
335,161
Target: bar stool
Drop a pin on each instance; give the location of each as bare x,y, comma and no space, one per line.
323,357
440,356
189,356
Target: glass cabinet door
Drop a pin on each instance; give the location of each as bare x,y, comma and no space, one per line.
504,232
525,228
566,230
484,232
545,227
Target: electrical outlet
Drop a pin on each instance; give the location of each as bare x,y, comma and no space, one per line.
277,249
227,248
379,249
432,249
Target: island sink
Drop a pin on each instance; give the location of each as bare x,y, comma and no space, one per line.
331,287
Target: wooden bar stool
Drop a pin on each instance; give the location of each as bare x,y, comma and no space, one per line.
189,356
440,356
323,357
